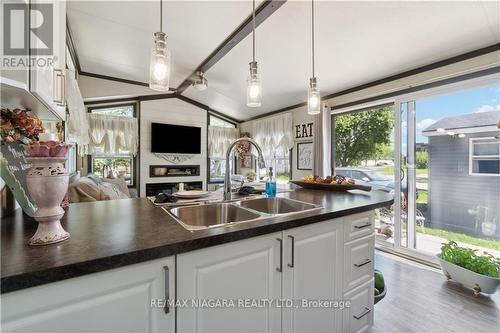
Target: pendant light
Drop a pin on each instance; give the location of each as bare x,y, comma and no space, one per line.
159,66
254,89
313,95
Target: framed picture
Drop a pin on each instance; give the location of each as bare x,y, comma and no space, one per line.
304,155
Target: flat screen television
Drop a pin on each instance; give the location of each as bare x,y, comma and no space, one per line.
175,139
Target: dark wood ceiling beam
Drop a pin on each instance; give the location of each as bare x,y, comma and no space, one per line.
266,9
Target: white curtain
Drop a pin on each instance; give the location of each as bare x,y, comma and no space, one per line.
322,143
274,134
219,139
78,125
112,134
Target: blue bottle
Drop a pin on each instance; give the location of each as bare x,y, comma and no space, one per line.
271,184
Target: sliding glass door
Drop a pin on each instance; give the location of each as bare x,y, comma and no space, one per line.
448,152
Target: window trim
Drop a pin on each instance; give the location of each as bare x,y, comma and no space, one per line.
471,156
209,114
135,165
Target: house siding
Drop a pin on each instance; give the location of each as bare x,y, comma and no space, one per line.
454,195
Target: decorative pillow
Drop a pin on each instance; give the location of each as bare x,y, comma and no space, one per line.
120,182
84,190
110,191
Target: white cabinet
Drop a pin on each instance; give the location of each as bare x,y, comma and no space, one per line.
358,272
305,265
242,270
359,316
47,80
313,271
118,300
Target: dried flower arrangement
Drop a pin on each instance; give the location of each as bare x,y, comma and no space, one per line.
17,125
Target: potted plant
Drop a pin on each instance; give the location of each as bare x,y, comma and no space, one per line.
250,176
478,272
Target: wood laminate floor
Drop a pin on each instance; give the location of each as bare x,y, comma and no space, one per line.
419,299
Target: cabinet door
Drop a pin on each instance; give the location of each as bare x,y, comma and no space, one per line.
119,300
47,71
242,270
313,271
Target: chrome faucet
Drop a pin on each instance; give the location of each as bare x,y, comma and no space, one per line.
227,177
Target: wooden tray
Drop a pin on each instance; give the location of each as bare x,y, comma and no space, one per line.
330,187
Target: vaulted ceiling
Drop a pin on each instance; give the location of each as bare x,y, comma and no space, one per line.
356,42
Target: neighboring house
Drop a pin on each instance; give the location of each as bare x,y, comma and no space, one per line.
464,174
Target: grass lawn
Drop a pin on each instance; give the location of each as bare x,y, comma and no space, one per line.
458,237
422,197
388,170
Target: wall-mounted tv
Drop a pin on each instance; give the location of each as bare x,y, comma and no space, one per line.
175,139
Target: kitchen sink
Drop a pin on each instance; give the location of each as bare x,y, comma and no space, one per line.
211,215
277,206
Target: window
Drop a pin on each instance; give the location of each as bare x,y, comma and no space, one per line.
122,163
217,166
484,156
281,166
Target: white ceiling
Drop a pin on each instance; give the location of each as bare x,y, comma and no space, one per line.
114,38
356,42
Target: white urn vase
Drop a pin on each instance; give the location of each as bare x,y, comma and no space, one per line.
47,182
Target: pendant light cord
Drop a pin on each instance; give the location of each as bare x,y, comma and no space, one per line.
253,31
312,10
161,15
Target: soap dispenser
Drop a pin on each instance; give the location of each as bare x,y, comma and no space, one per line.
271,184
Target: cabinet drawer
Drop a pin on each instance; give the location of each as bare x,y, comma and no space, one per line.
359,316
358,226
358,264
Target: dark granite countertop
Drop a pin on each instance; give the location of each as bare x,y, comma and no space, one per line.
110,234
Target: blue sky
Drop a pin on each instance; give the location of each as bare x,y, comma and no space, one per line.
432,109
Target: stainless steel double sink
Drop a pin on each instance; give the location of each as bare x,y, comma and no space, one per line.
203,216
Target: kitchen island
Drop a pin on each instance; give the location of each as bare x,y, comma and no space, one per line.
127,256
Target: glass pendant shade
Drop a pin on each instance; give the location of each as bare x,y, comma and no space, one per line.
254,89
313,97
159,67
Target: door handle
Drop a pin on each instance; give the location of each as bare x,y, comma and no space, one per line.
166,309
362,314
59,87
362,263
280,268
291,265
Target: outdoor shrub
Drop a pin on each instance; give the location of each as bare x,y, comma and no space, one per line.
467,258
422,160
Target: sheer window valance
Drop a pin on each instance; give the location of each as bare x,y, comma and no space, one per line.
219,139
112,135
274,135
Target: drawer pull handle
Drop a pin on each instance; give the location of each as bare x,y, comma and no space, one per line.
363,225
167,288
280,269
362,263
362,314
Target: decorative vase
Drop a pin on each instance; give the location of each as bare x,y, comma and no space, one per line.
47,182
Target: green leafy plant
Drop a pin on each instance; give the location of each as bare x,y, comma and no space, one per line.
422,160
467,258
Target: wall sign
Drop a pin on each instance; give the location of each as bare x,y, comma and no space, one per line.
304,155
14,168
304,131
